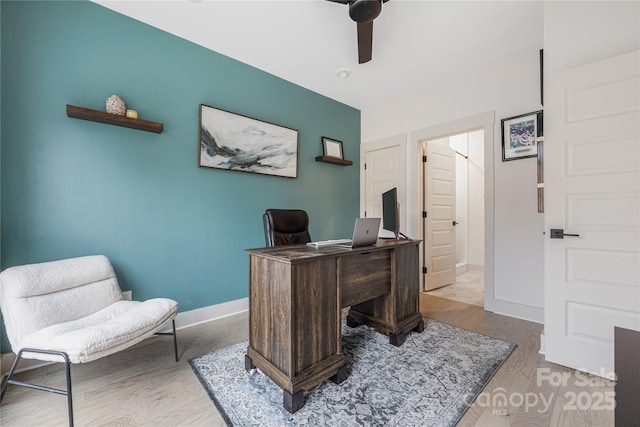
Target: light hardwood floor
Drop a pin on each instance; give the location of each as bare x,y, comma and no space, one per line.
468,287
144,386
538,393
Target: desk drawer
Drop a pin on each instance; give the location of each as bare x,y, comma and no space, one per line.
364,276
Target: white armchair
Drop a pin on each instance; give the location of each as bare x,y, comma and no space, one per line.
73,311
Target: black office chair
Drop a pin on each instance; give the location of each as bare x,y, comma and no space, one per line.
286,227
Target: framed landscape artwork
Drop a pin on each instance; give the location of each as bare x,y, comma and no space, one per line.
519,136
235,142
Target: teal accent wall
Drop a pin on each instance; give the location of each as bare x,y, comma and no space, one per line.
71,187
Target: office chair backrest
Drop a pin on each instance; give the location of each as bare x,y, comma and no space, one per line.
286,227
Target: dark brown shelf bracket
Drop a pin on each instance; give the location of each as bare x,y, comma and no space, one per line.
334,160
113,119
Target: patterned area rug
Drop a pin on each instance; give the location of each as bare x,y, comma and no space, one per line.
431,380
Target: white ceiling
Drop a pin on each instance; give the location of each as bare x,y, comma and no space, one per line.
415,42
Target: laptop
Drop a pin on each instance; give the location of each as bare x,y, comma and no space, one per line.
365,233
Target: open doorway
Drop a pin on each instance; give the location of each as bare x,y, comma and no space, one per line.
453,195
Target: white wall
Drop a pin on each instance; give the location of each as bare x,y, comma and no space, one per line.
460,144
476,201
509,87
580,32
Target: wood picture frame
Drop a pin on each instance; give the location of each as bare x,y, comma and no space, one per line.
332,148
519,136
235,142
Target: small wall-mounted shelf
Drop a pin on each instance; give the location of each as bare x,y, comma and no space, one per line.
334,160
113,119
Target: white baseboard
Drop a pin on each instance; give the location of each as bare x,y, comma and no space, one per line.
475,267
461,269
183,320
7,360
212,312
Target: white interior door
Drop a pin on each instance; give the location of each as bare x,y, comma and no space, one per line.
383,171
592,159
440,199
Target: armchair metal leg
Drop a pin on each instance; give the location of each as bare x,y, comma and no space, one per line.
175,337
69,396
66,392
10,376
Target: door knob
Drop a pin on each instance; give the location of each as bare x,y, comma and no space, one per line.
558,233
455,223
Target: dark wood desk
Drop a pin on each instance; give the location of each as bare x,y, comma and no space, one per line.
296,294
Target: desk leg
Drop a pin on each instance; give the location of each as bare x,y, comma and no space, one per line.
292,402
399,339
248,364
340,376
352,323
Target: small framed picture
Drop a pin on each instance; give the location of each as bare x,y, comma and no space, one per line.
332,148
519,136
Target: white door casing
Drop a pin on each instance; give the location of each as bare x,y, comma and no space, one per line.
592,187
440,200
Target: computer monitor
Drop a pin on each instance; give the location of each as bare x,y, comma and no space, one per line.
390,211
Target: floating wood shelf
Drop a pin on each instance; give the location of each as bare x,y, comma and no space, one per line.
334,160
113,119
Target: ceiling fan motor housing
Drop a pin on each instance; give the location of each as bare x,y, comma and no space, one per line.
364,10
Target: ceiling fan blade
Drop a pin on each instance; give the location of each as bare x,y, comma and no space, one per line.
365,41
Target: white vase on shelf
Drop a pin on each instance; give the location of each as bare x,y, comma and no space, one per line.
115,105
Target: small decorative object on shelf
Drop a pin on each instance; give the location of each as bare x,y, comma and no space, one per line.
132,114
332,148
115,105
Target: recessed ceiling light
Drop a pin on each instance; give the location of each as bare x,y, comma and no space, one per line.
343,73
